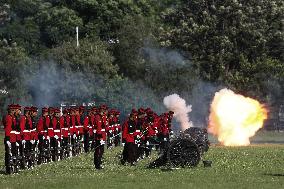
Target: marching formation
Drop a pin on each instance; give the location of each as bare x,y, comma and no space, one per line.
54,135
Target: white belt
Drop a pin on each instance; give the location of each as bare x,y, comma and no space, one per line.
26,131
17,133
137,131
103,130
50,128
57,130
13,132
90,127
72,127
66,129
34,130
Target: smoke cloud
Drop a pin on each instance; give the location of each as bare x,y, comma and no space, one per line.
178,105
51,84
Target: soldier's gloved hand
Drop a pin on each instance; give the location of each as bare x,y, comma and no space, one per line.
165,139
138,136
94,130
43,137
102,142
32,141
147,143
48,138
74,136
116,129
23,142
110,131
56,137
123,144
17,144
8,143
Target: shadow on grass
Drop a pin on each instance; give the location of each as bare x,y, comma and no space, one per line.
274,175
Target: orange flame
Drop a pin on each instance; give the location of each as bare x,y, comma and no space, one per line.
235,118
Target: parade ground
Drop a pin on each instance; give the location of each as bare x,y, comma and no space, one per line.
260,165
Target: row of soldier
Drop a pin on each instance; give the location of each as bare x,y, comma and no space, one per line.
30,140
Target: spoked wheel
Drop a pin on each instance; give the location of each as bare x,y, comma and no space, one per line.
183,152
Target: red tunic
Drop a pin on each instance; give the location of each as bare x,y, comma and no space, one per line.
42,125
65,123
50,129
129,131
101,124
79,125
56,124
9,123
89,124
26,126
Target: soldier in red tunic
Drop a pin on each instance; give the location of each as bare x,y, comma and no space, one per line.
65,123
34,132
130,148
101,123
149,132
111,128
140,137
10,138
88,129
42,128
80,122
26,126
117,129
56,139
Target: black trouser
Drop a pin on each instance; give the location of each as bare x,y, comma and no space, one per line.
40,143
8,154
117,140
98,154
25,152
109,139
141,149
54,146
86,141
164,142
65,142
129,152
148,148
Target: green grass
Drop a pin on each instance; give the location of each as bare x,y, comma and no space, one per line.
256,166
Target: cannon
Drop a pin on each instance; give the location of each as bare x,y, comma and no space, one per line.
184,150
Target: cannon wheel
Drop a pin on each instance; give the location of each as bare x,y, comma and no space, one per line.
183,152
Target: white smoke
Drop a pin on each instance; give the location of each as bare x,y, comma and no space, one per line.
178,105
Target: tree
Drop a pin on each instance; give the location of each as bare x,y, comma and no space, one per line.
91,56
58,25
13,61
218,33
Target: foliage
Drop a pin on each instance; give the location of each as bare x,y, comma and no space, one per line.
164,46
218,33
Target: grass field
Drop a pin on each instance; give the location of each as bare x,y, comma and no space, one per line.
255,166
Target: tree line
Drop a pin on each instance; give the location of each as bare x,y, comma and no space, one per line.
132,52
